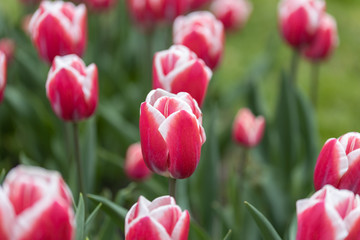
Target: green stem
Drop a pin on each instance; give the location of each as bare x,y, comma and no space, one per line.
172,187
314,82
67,139
294,65
78,159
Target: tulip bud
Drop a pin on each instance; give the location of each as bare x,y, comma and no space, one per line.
202,33
179,70
2,75
58,28
171,133
329,214
72,88
248,130
135,166
299,20
7,46
232,13
99,5
159,219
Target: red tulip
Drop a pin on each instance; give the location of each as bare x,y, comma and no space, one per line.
99,5
248,130
325,40
232,13
203,34
37,204
135,166
7,46
160,219
2,75
72,88
58,28
330,214
179,70
299,20
171,133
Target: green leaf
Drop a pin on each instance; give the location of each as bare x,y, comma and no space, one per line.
197,232
89,153
80,219
227,235
267,230
2,175
92,215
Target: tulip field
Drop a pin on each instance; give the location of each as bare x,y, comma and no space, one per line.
179,119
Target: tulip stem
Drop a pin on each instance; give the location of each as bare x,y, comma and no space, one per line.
314,82
294,65
78,159
172,187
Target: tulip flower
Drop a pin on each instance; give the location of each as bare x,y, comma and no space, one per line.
7,46
202,33
135,167
99,5
232,13
58,28
171,133
338,163
180,70
157,220
248,130
329,214
35,204
2,75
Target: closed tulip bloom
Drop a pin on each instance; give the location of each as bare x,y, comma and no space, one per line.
232,13
329,214
7,46
59,28
135,167
171,133
325,41
2,75
248,130
160,219
338,163
72,88
203,34
180,70
299,20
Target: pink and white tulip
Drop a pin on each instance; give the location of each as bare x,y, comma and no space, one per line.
72,88
7,46
160,219
3,71
202,33
59,28
135,167
248,130
180,70
339,163
330,214
171,133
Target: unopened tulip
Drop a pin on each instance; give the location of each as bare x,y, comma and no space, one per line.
232,13
59,28
325,40
339,163
248,130
2,75
203,34
180,70
135,167
99,5
72,88
329,214
7,46
299,20
171,133
160,219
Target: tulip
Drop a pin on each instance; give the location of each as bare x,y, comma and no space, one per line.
248,130
160,219
329,214
171,133
203,34
232,13
338,163
2,75
299,20
99,5
7,46
37,204
179,70
135,167
58,28
72,88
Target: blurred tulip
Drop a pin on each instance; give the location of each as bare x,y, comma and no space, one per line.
59,28
135,167
338,163
180,70
248,130
328,215
203,34
171,133
232,13
37,204
2,75
299,20
72,88
157,220
195,4
7,46
99,5
325,41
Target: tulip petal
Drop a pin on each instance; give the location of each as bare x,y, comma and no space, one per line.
146,229
161,201
351,179
167,216
181,229
7,216
137,210
352,222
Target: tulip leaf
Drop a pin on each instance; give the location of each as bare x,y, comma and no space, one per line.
198,231
227,236
92,215
80,219
2,175
89,153
267,230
